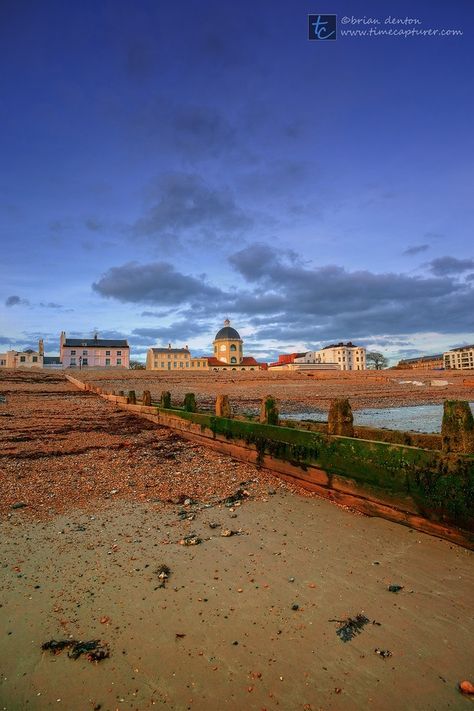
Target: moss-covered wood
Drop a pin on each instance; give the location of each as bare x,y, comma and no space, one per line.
190,402
269,413
441,485
165,399
457,430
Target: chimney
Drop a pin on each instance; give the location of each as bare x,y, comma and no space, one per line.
41,347
169,345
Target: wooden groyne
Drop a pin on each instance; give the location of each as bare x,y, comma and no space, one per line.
427,489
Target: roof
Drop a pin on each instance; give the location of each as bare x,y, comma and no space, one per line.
461,348
341,345
215,362
421,358
52,360
94,343
227,333
170,350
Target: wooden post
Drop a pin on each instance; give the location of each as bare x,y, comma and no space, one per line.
269,411
146,398
166,399
457,430
190,403
340,419
132,398
223,408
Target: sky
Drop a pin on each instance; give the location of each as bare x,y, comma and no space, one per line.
164,166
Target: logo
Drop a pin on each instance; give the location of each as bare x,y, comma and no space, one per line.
322,27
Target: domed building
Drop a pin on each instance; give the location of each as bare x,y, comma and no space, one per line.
228,345
229,351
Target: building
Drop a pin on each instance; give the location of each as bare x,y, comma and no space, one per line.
341,356
228,355
173,359
28,358
301,361
229,351
93,352
346,355
422,362
459,358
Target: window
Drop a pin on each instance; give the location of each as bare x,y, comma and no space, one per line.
119,353
22,359
181,364
107,353
198,363
73,361
35,359
233,348
175,356
107,361
187,364
162,364
85,361
119,361
233,360
73,353
84,353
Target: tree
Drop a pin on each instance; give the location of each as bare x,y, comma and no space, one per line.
136,365
376,360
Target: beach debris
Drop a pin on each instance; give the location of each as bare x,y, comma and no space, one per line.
240,495
350,627
163,572
190,540
180,635
186,515
214,524
466,687
295,606
395,588
384,653
19,505
229,532
94,650
291,580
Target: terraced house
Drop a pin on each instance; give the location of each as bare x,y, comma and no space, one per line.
93,352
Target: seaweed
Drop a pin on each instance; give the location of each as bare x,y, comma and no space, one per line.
351,627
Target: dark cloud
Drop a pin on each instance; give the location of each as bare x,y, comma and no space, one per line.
52,305
178,332
416,249
443,266
16,301
93,225
286,300
156,283
4,340
184,201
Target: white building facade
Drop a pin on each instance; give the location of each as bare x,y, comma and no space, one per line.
459,358
346,356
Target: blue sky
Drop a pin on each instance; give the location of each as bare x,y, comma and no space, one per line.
164,167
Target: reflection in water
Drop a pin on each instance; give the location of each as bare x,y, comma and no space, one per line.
418,418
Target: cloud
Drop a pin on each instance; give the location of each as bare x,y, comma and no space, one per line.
157,283
443,266
416,249
283,299
93,225
16,301
184,201
178,331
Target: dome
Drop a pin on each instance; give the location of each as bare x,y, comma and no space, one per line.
227,333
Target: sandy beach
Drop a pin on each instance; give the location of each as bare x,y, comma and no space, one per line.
243,621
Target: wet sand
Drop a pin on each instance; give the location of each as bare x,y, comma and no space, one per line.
244,647
80,560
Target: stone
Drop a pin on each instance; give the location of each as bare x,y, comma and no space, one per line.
340,419
457,430
269,413
223,408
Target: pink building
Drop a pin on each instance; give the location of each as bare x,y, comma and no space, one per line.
93,352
